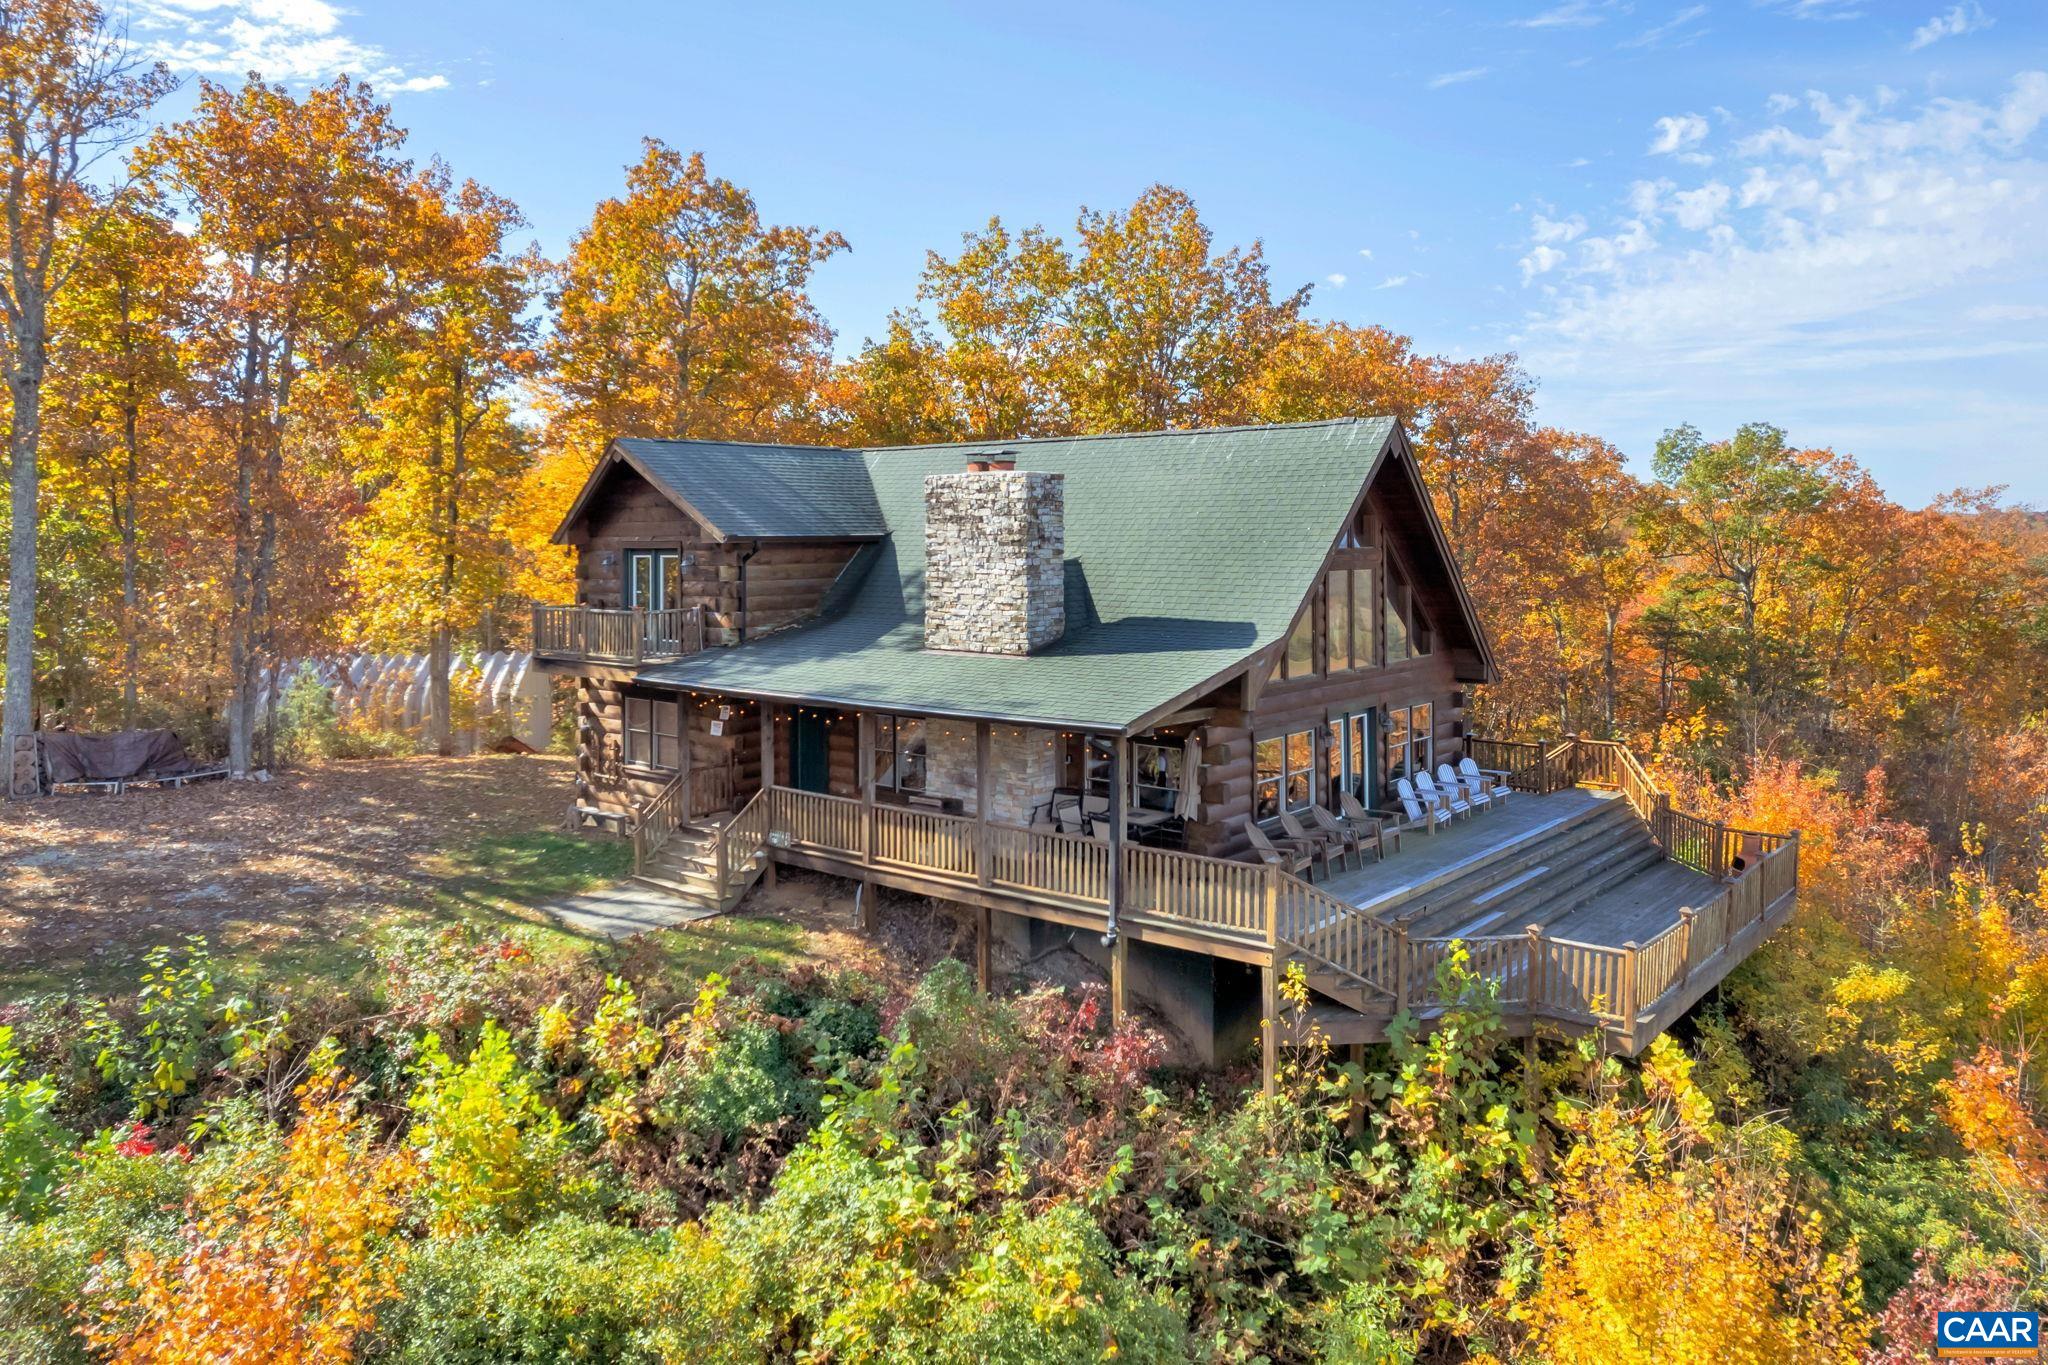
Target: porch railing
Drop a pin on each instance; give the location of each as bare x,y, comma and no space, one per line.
1253,906
610,635
658,819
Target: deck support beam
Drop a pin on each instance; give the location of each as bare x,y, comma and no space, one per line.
1269,1029
1119,988
984,931
768,765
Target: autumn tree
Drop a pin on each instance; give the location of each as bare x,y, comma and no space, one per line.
679,312
311,221
70,93
1141,324
116,399
441,454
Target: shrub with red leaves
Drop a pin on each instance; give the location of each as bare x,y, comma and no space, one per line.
1905,1329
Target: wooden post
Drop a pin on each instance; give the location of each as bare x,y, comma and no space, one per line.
1269,1029
1660,823
1117,753
1272,910
984,865
639,633
1628,988
1354,1126
1119,1001
1685,919
1536,982
983,948
768,775
864,773
1400,967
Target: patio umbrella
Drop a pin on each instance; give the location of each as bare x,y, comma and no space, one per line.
1189,804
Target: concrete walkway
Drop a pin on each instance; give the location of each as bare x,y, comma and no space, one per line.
623,910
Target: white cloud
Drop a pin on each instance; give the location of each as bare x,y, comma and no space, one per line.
1470,73
1821,9
295,41
1677,133
1699,209
1338,279
1674,26
1873,246
1780,104
1570,14
1957,21
1393,282
1545,229
1365,252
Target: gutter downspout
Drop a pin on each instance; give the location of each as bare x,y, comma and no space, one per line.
751,552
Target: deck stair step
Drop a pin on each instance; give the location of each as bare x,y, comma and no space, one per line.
1464,881
1567,884
1563,855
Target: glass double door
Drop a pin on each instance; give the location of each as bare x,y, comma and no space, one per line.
1351,758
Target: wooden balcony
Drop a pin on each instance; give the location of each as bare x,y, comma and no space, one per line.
601,635
1366,939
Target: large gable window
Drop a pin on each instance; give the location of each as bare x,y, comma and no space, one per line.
1348,604
1407,630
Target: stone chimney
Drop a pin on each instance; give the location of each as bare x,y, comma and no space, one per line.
994,551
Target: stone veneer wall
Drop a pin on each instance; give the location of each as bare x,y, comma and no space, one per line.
1023,767
994,580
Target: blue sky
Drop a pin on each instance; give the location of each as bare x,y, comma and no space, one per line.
1827,214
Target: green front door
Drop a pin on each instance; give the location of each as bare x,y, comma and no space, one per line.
807,738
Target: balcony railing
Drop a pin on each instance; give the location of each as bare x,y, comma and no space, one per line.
612,636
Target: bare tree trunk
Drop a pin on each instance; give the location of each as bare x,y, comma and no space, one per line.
25,385
131,656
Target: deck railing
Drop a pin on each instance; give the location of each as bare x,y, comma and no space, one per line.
609,635
658,819
1542,976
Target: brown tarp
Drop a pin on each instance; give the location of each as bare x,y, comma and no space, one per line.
74,756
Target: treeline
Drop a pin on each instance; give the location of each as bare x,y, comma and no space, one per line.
304,393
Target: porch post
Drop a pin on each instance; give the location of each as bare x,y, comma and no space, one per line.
1119,1001
768,729
864,773
983,865
1269,1029
984,927
1118,751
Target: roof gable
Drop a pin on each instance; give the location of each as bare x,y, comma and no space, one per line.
738,491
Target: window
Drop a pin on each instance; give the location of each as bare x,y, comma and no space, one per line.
654,579
1348,594
899,753
654,733
1411,742
1155,776
1300,659
1283,768
1407,632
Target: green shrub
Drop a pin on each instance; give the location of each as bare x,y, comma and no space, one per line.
1364,1326
309,728
111,1201
189,1027
564,1289
35,1149
738,1080
497,1157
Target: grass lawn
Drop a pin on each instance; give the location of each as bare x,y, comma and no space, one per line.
301,879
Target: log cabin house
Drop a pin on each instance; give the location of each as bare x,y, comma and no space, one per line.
1068,683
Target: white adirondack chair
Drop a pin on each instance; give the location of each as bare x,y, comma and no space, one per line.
1426,812
1426,784
1479,795
1496,783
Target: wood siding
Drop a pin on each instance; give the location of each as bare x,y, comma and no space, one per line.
786,581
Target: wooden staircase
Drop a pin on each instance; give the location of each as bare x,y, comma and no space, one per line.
685,865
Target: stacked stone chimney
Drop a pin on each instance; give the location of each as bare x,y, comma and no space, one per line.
994,551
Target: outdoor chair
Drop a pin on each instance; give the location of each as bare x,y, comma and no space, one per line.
1288,858
1496,781
1422,812
1315,840
1360,818
1350,841
1478,793
1452,800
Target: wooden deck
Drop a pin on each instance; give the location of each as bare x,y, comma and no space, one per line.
1586,901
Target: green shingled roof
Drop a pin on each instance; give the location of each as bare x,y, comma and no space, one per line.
1186,552
764,492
